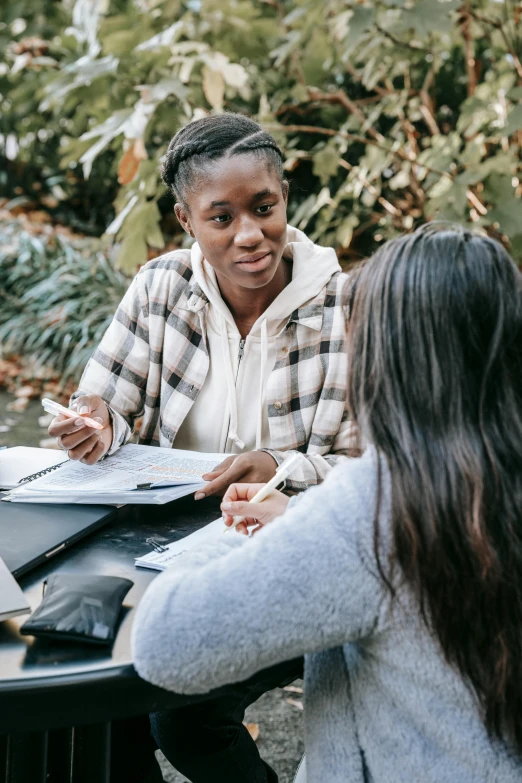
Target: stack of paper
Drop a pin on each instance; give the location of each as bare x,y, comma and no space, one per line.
165,555
135,474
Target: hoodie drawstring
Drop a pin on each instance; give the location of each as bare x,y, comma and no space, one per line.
264,357
231,385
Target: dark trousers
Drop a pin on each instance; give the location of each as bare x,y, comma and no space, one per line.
204,739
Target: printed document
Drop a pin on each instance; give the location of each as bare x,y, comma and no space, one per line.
159,561
133,471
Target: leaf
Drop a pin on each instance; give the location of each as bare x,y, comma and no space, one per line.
295,703
428,17
253,730
213,87
130,162
514,122
326,163
506,206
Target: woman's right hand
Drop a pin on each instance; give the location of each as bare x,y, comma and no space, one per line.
80,441
257,515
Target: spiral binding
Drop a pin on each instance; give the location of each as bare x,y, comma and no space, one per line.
41,473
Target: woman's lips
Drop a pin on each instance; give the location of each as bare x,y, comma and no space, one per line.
255,263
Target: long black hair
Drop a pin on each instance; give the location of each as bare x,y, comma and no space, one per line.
212,137
435,384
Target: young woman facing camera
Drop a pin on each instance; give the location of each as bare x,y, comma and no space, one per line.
236,346
400,577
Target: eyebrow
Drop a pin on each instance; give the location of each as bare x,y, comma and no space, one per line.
260,194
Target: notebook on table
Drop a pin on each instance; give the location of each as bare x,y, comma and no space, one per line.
134,474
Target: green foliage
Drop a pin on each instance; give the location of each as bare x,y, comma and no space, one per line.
58,298
390,112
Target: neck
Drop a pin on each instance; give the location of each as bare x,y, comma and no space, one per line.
248,304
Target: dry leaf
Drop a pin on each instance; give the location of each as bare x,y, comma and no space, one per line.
292,689
213,87
130,161
25,391
295,703
19,405
253,730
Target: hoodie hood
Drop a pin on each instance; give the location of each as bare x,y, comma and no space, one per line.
313,266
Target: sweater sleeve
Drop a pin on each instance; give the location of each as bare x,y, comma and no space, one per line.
299,586
118,369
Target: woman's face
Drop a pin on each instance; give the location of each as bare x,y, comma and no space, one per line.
237,214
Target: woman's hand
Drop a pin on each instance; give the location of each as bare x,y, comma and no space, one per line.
254,466
80,441
235,504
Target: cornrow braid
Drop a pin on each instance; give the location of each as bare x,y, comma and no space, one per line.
217,136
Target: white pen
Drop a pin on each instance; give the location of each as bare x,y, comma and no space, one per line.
281,473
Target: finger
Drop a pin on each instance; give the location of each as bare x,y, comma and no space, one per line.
74,439
219,469
243,509
247,521
63,425
221,484
96,454
242,528
83,448
241,492
88,403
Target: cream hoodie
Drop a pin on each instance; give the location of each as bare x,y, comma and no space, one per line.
230,414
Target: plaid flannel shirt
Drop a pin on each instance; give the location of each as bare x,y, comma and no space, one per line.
153,361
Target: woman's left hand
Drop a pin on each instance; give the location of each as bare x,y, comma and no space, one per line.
254,467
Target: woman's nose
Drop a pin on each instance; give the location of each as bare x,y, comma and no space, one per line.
249,233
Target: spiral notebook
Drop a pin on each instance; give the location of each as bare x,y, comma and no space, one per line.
24,462
134,474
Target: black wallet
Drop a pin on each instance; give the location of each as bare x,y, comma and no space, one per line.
79,608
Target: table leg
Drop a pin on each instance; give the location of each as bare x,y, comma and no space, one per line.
92,754
3,758
27,758
60,756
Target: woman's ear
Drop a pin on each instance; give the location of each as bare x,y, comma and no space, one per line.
285,187
184,218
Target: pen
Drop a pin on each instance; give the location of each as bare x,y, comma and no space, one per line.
281,473
55,408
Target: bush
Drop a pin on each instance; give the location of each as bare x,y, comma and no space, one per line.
58,297
390,112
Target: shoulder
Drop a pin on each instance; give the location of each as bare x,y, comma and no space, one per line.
338,290
175,264
167,278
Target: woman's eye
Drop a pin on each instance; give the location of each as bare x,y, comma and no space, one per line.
221,218
264,208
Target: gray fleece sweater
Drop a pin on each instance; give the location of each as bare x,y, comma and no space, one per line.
381,703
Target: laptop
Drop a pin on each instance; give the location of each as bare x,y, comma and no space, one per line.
31,533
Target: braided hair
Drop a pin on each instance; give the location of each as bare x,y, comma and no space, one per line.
216,136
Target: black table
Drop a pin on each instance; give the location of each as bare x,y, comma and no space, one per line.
57,701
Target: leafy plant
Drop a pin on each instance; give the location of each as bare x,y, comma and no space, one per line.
58,298
390,112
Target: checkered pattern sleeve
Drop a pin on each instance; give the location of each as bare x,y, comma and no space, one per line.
118,369
313,468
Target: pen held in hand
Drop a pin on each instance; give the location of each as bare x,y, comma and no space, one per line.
56,409
281,473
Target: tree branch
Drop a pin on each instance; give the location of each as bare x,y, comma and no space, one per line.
469,48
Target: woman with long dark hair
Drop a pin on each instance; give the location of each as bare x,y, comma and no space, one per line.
400,578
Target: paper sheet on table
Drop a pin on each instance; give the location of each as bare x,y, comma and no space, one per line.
160,561
130,466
